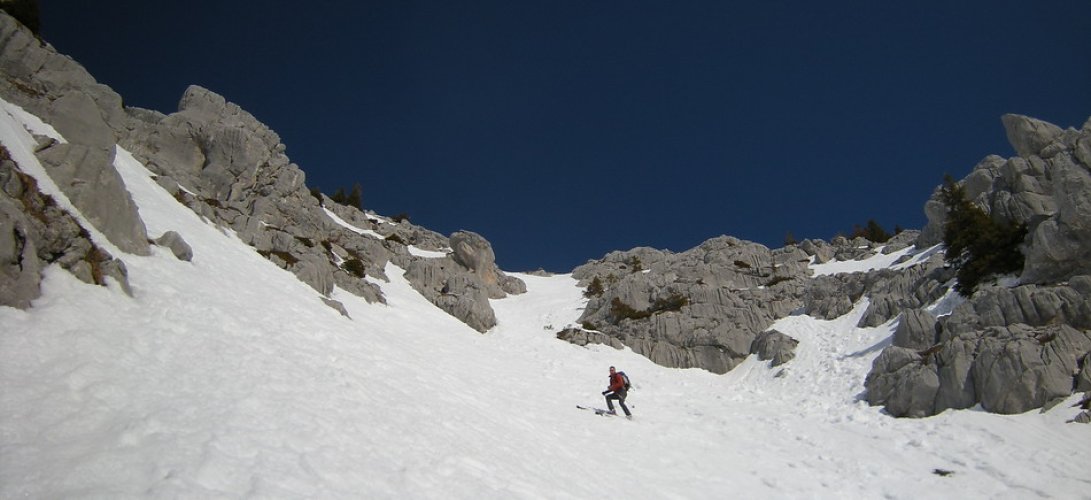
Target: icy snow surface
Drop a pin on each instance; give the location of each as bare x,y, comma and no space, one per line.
226,377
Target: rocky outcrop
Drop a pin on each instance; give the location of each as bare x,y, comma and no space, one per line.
917,330
1029,136
903,382
228,167
1009,349
474,253
1047,187
709,307
449,285
87,177
88,115
35,232
701,308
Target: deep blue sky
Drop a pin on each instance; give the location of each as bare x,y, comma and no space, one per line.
563,130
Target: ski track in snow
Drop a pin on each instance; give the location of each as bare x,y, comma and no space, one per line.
226,377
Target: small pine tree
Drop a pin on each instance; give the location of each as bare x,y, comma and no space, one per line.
595,289
317,193
874,232
339,196
871,232
976,244
790,239
355,197
355,267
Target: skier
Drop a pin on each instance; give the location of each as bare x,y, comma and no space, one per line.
617,391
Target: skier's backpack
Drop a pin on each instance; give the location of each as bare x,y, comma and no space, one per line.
626,379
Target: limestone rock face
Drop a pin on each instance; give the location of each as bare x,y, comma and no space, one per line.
902,382
457,292
88,115
1010,349
701,308
1047,187
225,165
1020,368
475,253
916,330
35,232
88,178
1029,136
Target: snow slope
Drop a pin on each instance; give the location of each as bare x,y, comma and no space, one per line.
226,377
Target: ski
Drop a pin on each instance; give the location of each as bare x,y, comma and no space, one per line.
598,411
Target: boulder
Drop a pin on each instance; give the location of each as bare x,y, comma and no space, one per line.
475,253
176,244
774,345
902,382
336,306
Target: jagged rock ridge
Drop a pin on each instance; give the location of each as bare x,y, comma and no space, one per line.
228,167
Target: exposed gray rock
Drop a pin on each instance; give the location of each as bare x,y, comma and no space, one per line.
337,306
1029,305
1047,188
697,309
35,232
314,270
176,244
1083,380
902,381
774,345
1010,350
474,252
1060,246
1029,136
458,293
832,296
917,330
954,363
88,178
820,250
583,337
1020,368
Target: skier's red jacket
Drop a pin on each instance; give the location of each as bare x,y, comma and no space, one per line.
617,383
